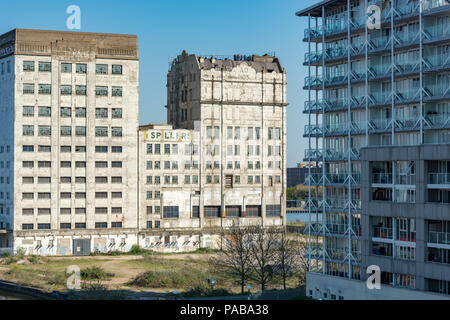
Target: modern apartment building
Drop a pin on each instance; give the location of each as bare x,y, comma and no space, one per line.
378,121
69,104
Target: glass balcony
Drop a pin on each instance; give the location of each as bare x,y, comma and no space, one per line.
437,120
336,128
382,232
379,98
436,61
315,179
435,31
439,178
313,154
342,203
313,130
314,106
431,4
407,123
313,57
314,81
382,178
439,237
337,254
314,32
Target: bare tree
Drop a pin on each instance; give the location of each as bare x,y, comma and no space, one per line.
235,255
263,254
287,257
302,260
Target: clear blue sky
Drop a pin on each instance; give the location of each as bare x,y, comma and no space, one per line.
166,27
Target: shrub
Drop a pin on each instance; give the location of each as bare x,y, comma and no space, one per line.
137,250
95,273
205,291
20,253
161,279
6,254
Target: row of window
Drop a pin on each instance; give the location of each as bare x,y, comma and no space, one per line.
68,211
66,131
67,90
66,112
68,195
81,68
65,149
64,180
68,164
253,133
47,226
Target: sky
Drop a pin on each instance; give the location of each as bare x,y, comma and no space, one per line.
167,27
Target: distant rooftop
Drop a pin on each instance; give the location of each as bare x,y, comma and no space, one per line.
266,63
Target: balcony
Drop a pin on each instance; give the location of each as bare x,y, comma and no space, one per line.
439,178
439,237
382,232
382,178
342,203
437,120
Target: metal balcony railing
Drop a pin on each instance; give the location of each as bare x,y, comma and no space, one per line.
437,120
439,237
382,232
382,178
439,178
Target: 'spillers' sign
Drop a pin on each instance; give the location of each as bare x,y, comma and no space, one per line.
162,135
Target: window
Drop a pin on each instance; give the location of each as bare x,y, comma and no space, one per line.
28,130
27,212
66,180
116,149
116,225
149,194
116,179
44,164
45,66
28,88
116,195
116,164
229,181
80,131
149,210
187,179
80,225
65,226
66,131
212,211
66,164
28,148
101,210
278,133
149,224
44,180
44,195
27,196
66,195
81,68
66,67
44,131
149,148
27,226
66,90
101,69
117,91
28,111
44,89
116,69
117,113
116,210
66,149
167,149
101,195
80,112
101,225
65,211
101,113
45,112
233,211
273,210
81,180
170,212
116,131
66,112
80,90
101,149
28,66
44,149
101,164
80,210
28,164
101,91
253,211
80,164
101,179
27,180
101,131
